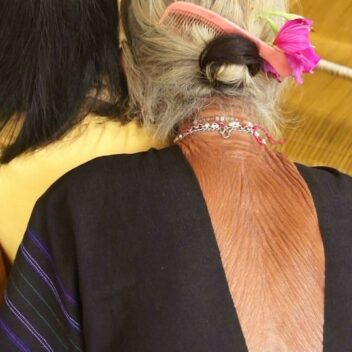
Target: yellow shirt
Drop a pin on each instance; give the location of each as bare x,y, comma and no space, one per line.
27,177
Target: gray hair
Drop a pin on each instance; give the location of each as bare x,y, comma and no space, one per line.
163,72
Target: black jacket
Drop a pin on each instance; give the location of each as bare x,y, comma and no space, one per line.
120,255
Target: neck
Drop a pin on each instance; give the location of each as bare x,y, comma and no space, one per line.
212,149
219,128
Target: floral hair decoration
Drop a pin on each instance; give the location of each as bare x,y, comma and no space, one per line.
290,54
293,39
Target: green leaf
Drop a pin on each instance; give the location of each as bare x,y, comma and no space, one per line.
273,25
287,16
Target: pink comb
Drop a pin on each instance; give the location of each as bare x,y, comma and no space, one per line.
274,56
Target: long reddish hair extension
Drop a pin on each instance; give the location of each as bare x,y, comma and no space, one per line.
267,231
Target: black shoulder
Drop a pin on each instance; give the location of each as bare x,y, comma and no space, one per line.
92,200
332,193
328,181
125,175
97,174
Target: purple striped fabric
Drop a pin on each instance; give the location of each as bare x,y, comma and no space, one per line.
13,338
32,262
41,246
28,325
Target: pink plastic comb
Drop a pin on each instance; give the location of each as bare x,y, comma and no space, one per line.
274,56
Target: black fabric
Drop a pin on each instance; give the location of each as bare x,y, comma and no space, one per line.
332,193
120,255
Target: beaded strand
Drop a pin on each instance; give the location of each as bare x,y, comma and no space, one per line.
225,125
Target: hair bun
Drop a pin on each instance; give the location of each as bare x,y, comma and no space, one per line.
229,50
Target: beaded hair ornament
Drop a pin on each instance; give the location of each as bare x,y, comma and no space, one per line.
290,54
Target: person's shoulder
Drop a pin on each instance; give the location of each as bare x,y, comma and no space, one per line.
112,173
328,180
332,193
108,190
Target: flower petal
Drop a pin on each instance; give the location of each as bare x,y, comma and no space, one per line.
297,68
294,35
309,59
270,71
303,62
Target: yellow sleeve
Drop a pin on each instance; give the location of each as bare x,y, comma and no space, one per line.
27,177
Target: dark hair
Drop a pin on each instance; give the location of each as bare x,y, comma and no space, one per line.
230,49
52,54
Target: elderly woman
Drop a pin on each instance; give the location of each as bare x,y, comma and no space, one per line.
217,243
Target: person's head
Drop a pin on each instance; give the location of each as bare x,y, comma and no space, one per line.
171,73
53,55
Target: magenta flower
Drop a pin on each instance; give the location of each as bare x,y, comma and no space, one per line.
293,40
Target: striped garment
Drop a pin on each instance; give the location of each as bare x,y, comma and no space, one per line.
38,309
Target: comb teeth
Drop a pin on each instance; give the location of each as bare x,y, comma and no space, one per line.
181,17
204,16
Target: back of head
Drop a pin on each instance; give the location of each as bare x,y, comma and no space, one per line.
53,55
173,72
